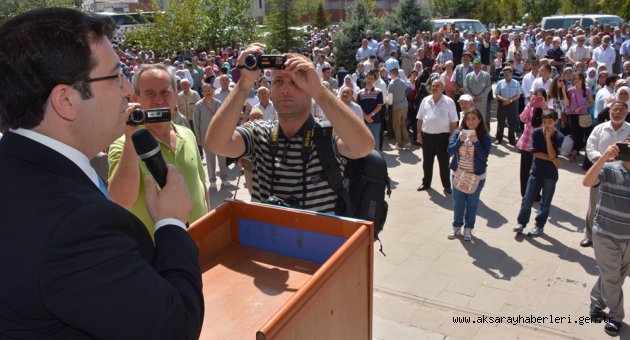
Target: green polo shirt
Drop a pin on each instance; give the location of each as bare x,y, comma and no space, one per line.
186,159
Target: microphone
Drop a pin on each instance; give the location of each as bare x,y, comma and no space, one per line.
148,150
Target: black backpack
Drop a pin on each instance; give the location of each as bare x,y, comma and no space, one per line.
362,186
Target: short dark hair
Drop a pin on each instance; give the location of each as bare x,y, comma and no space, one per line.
612,79
549,114
41,49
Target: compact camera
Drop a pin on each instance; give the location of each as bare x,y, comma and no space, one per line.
257,61
139,116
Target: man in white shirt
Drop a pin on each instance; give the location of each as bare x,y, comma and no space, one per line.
265,105
578,52
604,92
544,47
528,79
544,80
605,54
437,120
603,136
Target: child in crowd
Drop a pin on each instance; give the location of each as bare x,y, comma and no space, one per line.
546,141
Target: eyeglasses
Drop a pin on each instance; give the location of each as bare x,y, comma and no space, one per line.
120,75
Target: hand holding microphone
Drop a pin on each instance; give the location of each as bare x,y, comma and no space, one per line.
173,201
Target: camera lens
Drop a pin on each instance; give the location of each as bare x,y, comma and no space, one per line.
250,62
137,117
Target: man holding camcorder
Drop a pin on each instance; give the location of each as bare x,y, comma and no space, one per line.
286,164
154,88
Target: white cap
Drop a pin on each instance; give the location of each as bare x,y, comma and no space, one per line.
465,97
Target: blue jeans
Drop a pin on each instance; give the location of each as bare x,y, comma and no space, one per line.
534,185
375,129
465,206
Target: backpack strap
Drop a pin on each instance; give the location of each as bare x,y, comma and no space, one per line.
323,138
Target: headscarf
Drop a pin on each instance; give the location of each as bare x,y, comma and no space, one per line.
592,80
623,88
353,86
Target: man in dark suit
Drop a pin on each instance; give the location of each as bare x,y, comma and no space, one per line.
74,265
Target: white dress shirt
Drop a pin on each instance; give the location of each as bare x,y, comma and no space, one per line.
603,136
437,117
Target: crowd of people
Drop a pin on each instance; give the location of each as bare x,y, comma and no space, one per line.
435,90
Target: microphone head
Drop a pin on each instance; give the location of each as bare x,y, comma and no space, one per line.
145,143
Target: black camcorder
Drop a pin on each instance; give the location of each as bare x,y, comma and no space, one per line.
139,116
265,61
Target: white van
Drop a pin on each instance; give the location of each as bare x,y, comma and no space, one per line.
470,25
585,20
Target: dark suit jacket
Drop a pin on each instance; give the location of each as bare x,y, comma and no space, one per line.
74,265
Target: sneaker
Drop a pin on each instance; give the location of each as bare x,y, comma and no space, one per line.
596,314
535,232
454,233
407,146
467,234
612,327
519,228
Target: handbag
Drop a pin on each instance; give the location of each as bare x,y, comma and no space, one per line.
585,121
464,181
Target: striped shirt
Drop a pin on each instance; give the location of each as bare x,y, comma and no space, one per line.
289,169
612,215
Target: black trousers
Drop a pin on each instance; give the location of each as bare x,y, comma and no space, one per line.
577,133
435,145
506,112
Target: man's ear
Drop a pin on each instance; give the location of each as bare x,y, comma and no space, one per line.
65,101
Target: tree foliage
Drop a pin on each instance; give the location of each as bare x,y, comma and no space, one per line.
358,20
280,17
538,9
187,24
320,19
407,18
9,9
453,8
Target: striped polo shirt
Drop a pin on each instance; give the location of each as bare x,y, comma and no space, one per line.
289,169
612,216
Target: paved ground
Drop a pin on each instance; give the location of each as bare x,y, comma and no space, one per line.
426,280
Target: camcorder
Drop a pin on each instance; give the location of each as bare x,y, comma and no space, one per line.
264,61
290,202
624,152
139,116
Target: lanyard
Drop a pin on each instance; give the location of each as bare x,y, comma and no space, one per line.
307,144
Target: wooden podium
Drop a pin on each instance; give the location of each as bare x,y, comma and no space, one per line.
278,273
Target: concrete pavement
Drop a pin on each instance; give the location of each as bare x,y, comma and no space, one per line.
426,280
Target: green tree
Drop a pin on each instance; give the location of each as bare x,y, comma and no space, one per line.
9,9
453,8
188,24
625,11
407,18
280,17
320,20
358,20
537,9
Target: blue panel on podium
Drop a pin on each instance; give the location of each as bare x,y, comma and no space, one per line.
302,244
